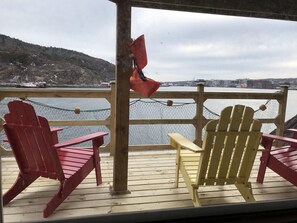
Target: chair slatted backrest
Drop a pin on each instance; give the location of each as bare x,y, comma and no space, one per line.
230,145
31,141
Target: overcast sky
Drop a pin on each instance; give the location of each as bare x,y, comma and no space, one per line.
180,46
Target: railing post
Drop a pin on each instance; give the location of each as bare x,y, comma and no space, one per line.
199,114
112,118
281,117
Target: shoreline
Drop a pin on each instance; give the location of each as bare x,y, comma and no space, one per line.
55,86
14,85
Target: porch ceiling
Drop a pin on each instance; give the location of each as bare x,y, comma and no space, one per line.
270,9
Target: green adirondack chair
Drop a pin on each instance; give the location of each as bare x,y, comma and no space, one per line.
227,155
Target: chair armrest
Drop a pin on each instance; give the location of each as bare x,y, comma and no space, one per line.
177,140
56,129
81,139
54,132
294,131
279,138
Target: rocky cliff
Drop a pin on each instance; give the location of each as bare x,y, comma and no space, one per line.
24,62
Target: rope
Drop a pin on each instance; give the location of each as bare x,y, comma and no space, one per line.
65,109
164,103
211,112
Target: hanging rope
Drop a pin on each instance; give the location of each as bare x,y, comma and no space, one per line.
133,102
65,109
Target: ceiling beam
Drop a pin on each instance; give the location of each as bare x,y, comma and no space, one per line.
270,9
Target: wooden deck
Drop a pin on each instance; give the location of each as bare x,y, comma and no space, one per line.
151,175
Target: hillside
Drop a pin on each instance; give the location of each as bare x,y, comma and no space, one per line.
24,62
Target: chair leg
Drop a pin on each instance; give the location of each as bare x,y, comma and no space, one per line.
177,172
97,165
262,170
57,199
98,171
246,191
193,191
195,198
21,183
66,188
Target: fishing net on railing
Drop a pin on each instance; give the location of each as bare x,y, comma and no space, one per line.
181,110
140,109
64,110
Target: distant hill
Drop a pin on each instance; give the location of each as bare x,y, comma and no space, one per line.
24,62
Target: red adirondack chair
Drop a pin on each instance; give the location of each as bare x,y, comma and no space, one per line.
282,160
39,154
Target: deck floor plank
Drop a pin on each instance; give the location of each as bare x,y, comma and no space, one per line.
151,180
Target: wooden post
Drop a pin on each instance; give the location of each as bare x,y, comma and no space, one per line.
123,73
112,117
199,115
281,117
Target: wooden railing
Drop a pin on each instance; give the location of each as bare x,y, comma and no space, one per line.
60,93
198,121
200,97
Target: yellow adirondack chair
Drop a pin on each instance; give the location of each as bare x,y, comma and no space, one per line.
227,155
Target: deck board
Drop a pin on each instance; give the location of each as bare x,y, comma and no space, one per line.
151,179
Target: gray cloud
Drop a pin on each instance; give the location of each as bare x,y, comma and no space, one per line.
180,46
